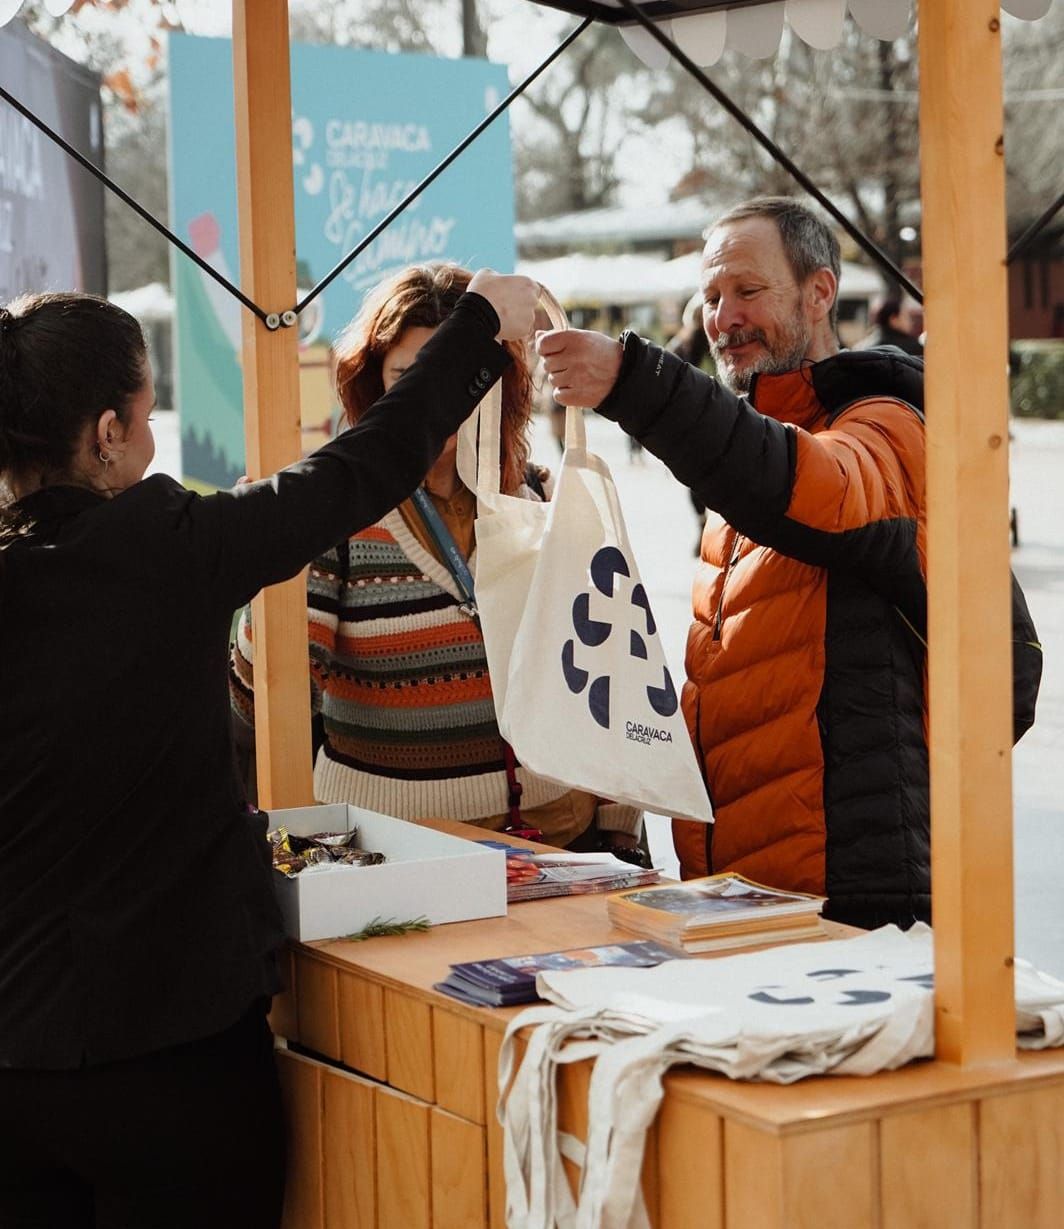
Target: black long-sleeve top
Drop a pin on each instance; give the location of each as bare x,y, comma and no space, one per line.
136,905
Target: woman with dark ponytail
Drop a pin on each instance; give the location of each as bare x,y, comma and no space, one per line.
137,921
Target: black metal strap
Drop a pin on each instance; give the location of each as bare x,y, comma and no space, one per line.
273,320
1034,230
438,170
133,204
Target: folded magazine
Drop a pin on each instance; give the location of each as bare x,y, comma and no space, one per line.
531,876
716,912
512,979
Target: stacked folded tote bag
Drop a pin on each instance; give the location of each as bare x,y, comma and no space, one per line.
847,1007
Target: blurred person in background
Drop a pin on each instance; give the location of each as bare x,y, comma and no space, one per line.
895,322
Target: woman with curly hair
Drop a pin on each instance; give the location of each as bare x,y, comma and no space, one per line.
404,717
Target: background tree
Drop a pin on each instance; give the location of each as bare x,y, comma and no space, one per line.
1034,135
847,117
386,25
124,41
569,126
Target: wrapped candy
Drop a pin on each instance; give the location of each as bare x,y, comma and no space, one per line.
293,854
359,857
336,840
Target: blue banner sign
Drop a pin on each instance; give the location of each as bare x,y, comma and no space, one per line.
366,127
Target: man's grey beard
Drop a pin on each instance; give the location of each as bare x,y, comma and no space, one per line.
787,355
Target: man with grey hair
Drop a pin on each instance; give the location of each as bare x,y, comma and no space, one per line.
805,690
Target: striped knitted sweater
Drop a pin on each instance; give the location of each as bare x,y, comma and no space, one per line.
399,676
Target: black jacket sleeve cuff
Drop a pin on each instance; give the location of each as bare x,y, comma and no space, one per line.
632,344
476,305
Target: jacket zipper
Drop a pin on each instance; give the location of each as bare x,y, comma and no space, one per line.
733,559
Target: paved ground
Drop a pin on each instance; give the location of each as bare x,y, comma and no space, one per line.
662,526
1038,761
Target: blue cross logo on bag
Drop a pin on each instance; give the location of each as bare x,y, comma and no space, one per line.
607,567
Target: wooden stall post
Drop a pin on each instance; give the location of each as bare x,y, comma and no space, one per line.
271,380
963,191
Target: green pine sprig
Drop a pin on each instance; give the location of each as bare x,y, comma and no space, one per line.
380,927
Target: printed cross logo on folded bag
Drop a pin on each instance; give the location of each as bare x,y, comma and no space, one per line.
614,606
835,996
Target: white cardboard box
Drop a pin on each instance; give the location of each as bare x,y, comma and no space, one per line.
426,874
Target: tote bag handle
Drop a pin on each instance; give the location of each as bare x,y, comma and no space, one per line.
478,450
575,433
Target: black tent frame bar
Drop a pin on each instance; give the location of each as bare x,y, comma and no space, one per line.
689,66
1034,230
274,320
122,195
460,148
613,15
656,10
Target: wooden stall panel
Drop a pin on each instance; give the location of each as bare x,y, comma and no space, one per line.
690,1166
458,1049
283,1018
408,1033
459,1181
349,1152
928,1169
831,1178
963,246
301,1090
1021,1162
753,1179
404,1177
493,1132
362,1043
317,1005
821,1179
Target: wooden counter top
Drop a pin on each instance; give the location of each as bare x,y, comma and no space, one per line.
413,1072
413,963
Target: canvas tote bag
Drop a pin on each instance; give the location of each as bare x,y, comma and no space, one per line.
847,1007
582,690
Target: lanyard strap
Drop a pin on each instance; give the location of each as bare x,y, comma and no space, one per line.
463,578
448,548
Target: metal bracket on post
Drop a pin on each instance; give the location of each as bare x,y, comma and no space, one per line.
281,320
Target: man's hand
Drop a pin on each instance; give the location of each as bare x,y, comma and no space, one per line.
582,366
514,299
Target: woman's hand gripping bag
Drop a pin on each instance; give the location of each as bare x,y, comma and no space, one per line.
582,690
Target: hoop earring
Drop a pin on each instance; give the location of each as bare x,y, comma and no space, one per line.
105,457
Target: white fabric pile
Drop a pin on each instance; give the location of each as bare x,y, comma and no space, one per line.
848,1007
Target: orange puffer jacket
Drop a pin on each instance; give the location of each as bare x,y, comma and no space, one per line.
805,692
